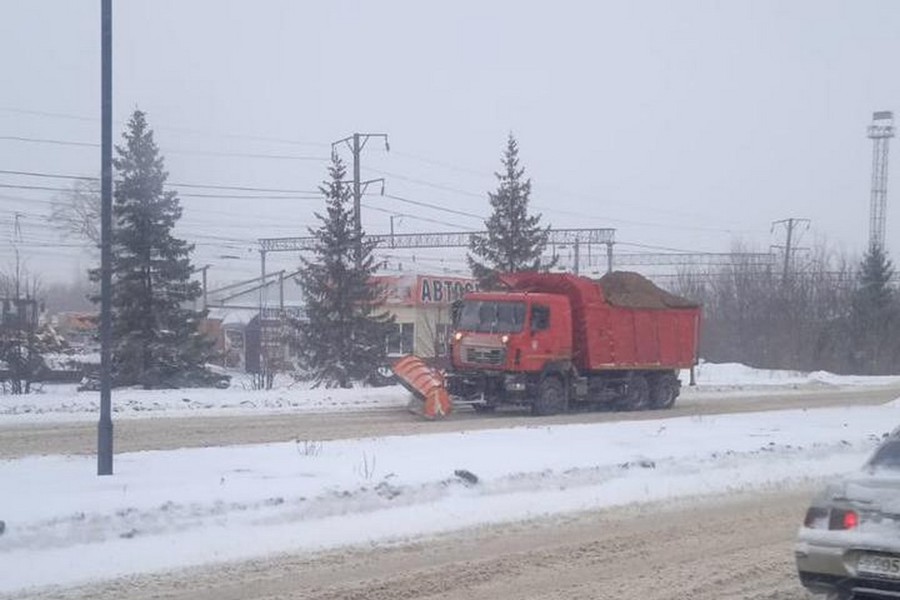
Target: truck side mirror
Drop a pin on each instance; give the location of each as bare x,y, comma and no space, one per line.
455,310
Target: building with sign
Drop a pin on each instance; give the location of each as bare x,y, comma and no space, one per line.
420,305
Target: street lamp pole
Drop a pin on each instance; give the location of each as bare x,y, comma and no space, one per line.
105,426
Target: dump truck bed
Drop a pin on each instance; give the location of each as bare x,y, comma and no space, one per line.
636,326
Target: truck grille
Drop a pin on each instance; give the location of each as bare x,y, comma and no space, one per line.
485,356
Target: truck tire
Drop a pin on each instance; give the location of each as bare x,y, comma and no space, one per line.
551,397
664,391
638,395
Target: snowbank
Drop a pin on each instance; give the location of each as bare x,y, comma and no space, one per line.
171,509
738,375
64,403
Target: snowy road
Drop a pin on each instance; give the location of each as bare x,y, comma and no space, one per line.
685,549
17,440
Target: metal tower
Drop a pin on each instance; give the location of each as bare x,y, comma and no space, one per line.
880,132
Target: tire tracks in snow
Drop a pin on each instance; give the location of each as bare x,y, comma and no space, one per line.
724,548
166,433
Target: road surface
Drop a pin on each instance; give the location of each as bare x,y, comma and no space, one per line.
724,548
198,431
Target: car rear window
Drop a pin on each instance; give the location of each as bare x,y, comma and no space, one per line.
887,456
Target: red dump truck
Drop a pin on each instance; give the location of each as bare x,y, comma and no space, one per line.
554,341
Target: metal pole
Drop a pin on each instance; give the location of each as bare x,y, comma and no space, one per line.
577,266
205,296
262,282
105,426
262,303
609,257
357,198
787,251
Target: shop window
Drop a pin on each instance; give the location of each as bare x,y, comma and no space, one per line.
401,339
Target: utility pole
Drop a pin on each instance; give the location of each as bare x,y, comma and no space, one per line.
17,238
105,426
789,247
356,143
577,265
203,271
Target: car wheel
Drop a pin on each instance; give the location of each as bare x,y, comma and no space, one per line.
663,392
638,395
551,397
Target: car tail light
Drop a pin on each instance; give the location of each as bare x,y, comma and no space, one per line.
851,519
843,519
834,519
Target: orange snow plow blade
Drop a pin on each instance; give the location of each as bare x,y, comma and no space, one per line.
426,384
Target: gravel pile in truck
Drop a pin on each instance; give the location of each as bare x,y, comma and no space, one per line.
633,290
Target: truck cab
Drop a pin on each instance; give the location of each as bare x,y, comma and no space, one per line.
504,343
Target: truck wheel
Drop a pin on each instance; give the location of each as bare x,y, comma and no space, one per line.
638,395
551,398
664,392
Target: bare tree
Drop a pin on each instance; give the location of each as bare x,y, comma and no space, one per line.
19,282
21,345
753,315
76,212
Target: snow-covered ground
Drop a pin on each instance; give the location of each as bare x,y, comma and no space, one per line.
718,375
169,509
64,403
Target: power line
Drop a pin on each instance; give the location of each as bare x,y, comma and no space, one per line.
434,206
180,194
425,183
548,187
445,165
58,115
172,184
651,247
17,138
416,217
33,140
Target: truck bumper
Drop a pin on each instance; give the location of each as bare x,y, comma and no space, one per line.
493,387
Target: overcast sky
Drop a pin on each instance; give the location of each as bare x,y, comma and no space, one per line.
684,125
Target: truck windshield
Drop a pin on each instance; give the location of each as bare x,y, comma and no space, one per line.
492,317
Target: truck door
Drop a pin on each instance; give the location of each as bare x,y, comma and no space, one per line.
546,343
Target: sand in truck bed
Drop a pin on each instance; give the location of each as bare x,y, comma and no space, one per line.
632,290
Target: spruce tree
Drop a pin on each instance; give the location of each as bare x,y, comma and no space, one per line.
343,337
514,240
874,316
156,339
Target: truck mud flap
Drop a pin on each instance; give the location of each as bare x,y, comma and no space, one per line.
426,384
